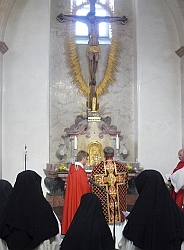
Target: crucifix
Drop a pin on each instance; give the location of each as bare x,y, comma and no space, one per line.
93,49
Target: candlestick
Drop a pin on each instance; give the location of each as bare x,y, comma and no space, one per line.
25,157
117,154
75,155
117,142
75,142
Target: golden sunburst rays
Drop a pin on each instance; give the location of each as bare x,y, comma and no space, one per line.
113,62
72,61
102,107
83,110
72,58
83,113
101,110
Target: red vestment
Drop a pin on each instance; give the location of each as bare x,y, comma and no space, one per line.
179,196
77,185
113,177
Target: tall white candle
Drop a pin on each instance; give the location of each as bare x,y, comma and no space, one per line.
117,141
75,142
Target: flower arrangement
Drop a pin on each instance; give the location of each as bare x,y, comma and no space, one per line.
61,168
131,168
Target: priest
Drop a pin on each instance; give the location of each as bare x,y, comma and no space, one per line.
111,178
177,181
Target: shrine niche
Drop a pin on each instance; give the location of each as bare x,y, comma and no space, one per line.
95,152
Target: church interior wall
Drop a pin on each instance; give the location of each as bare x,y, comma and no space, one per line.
159,78
176,9
179,19
6,8
25,88
1,66
180,8
147,89
182,96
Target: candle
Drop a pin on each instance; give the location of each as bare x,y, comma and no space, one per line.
75,142
25,157
117,142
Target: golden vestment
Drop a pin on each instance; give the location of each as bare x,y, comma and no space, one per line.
113,177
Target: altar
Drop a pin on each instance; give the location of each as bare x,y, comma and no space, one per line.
56,190
91,133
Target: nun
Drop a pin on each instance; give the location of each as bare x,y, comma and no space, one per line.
155,222
5,193
88,229
29,222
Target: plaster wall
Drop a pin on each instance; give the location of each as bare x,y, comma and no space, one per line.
1,66
25,88
159,87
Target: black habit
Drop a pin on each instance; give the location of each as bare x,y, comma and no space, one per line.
89,229
155,222
29,219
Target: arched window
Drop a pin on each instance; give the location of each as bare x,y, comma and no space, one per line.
81,31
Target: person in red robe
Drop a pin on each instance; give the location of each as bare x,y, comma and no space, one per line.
77,185
179,196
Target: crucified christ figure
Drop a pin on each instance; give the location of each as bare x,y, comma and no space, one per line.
92,21
93,49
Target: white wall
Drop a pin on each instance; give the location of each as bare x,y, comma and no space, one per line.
1,66
159,87
26,88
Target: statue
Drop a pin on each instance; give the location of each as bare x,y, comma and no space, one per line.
92,21
92,100
93,50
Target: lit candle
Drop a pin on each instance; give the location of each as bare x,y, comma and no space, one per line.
75,142
117,141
